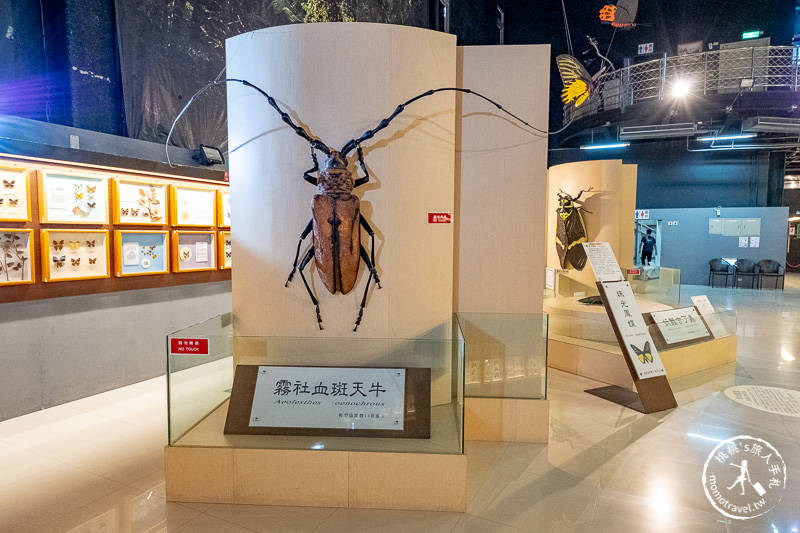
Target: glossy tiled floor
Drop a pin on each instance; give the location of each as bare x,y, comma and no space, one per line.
95,465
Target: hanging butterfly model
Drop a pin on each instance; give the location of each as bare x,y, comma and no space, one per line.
336,220
622,15
570,231
578,83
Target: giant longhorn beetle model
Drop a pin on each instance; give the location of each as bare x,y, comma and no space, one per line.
336,219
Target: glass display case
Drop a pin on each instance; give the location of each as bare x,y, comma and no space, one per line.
658,284
213,373
506,355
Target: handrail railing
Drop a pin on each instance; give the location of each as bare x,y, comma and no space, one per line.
714,72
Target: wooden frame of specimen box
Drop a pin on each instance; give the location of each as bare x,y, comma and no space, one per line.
17,264
15,194
69,197
224,247
73,254
194,250
141,253
140,202
223,208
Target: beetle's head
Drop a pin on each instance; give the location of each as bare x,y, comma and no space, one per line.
335,160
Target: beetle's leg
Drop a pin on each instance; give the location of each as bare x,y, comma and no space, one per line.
368,229
373,274
361,181
363,304
309,256
307,174
297,254
370,266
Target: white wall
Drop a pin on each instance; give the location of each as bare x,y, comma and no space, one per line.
61,349
502,169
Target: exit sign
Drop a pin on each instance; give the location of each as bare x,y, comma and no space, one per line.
752,34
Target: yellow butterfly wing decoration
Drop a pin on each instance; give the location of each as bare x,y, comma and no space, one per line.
578,83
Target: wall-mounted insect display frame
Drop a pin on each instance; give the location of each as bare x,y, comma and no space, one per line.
193,250
192,206
139,202
17,265
73,198
223,208
141,253
224,246
74,254
15,194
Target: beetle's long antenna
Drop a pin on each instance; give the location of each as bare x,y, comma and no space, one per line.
315,143
352,143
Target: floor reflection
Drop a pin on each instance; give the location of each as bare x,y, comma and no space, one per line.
96,465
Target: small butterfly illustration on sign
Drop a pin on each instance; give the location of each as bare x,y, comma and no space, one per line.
644,355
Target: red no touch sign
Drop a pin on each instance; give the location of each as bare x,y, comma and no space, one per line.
188,346
440,218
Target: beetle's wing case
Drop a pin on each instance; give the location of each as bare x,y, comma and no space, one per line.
337,241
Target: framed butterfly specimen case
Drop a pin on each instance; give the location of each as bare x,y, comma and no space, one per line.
192,206
15,197
139,253
17,263
73,198
139,202
194,250
74,254
224,246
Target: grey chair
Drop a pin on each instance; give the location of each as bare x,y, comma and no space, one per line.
770,269
745,274
718,267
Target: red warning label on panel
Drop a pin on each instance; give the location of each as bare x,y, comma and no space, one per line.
440,218
188,346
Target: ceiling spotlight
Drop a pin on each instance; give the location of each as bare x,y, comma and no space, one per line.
208,155
681,88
